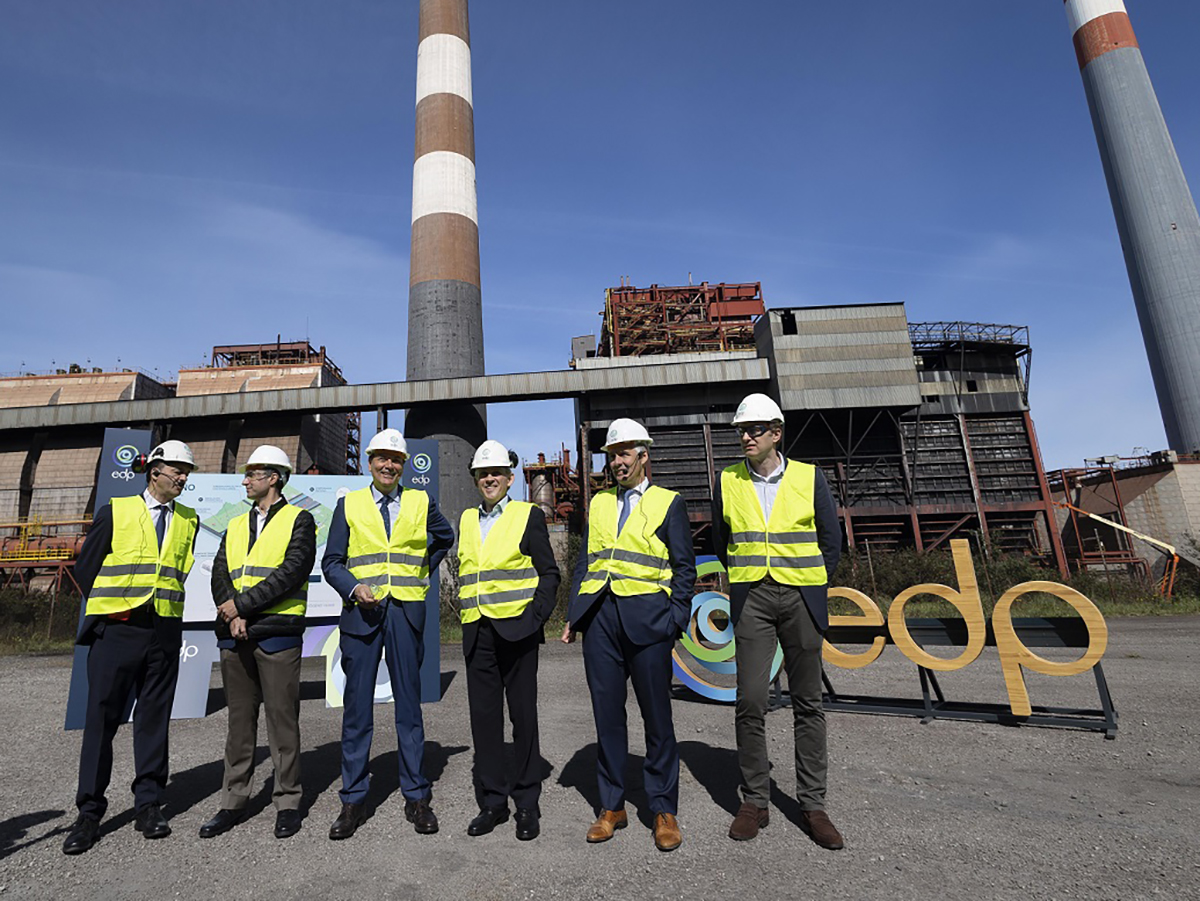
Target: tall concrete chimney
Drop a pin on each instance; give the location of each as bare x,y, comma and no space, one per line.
1156,215
445,316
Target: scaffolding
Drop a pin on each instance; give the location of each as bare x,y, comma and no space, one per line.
685,319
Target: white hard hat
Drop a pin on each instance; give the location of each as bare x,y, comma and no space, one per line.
757,408
388,440
623,431
267,455
171,452
493,453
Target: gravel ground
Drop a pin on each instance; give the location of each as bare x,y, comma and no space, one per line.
949,808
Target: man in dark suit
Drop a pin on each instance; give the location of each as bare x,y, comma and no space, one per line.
631,598
776,530
131,569
385,543
509,586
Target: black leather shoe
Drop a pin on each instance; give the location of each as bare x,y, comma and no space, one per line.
421,815
83,834
287,823
528,827
489,818
151,823
224,820
347,822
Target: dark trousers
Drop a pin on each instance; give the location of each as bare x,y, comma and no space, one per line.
125,658
609,659
403,650
498,669
253,679
775,612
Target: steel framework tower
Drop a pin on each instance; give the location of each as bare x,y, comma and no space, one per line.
445,317
1155,213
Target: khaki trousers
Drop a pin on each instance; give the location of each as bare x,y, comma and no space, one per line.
775,612
254,678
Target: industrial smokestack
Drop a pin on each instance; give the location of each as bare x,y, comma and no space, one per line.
1156,215
445,317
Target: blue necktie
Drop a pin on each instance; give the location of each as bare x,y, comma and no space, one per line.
160,527
624,515
387,519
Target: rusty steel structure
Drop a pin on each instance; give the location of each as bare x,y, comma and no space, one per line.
40,553
684,319
1089,544
557,488
923,430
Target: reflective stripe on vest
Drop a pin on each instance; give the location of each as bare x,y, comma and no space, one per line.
136,570
398,567
495,579
636,561
786,547
248,569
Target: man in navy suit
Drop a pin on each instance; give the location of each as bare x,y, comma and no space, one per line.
631,598
385,543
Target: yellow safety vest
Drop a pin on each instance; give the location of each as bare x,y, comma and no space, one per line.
785,548
248,569
495,579
398,567
636,561
136,570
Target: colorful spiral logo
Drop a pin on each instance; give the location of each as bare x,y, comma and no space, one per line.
125,455
707,647
422,463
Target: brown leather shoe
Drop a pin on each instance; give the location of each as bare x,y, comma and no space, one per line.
667,836
606,824
817,825
748,821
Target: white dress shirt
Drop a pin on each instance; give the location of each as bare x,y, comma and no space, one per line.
393,504
635,494
152,503
487,520
766,487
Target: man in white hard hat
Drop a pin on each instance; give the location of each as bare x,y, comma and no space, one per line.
631,598
131,569
260,586
384,542
775,528
509,586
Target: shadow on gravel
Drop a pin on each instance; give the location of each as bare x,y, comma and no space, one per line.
579,773
385,771
545,770
16,828
717,770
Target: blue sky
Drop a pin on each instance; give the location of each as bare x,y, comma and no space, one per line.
243,168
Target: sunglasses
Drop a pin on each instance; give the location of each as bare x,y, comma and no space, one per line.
754,430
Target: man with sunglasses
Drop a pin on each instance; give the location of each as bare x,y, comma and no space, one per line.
775,528
131,570
260,586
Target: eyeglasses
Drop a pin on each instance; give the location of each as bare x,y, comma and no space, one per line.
754,430
255,476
